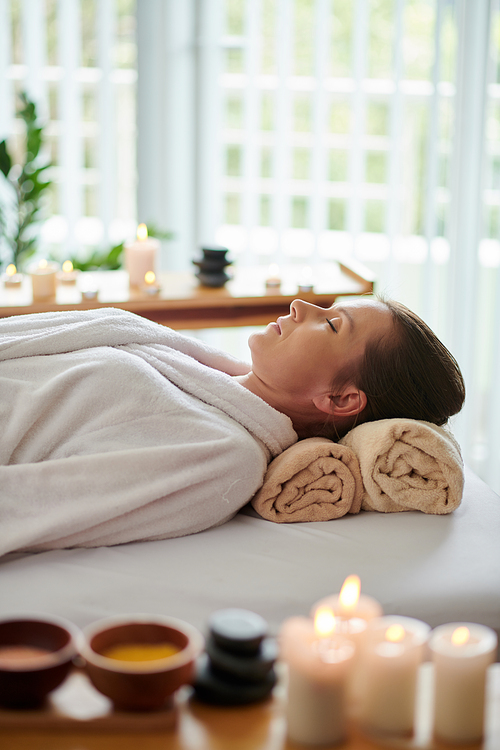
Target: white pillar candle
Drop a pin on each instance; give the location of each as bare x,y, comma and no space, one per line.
43,280
354,610
318,668
392,653
141,256
462,653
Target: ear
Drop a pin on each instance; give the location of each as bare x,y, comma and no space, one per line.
346,404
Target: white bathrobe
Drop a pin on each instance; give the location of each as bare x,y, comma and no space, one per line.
115,429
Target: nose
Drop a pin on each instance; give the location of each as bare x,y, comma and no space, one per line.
300,309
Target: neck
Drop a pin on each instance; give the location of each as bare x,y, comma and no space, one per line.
303,420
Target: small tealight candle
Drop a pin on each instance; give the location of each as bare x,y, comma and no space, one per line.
141,256
273,280
11,278
150,285
392,654
462,653
318,662
306,280
89,287
43,280
67,275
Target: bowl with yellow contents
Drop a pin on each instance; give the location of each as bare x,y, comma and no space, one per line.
139,661
36,655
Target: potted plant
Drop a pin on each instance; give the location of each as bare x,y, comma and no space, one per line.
25,189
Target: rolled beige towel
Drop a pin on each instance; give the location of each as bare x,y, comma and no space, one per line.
313,480
407,465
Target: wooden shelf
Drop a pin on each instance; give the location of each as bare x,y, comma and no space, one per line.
183,303
77,718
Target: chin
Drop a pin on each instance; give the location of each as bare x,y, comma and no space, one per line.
251,340
254,338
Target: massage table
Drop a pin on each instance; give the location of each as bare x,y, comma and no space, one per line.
435,568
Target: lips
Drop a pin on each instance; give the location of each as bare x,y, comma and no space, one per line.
278,325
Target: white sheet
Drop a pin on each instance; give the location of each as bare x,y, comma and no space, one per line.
435,568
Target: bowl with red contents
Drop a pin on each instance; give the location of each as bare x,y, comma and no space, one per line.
139,661
36,655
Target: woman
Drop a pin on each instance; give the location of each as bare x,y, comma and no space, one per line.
116,429
356,362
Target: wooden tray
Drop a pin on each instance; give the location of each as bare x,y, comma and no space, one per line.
77,705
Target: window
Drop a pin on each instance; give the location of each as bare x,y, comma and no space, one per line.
77,61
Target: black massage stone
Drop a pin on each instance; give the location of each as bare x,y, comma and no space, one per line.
238,630
211,267
246,667
216,689
237,666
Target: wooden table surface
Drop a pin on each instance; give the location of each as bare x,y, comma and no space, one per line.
258,727
183,303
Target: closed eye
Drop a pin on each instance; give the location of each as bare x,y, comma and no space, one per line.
331,325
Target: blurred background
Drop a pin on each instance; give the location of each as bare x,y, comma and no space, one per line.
289,131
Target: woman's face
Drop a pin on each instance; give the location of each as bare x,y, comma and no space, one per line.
301,354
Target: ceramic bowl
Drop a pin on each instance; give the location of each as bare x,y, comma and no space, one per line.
36,654
140,685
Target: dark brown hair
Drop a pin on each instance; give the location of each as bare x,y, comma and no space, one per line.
406,374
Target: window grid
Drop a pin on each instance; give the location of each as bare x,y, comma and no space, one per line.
357,155
76,60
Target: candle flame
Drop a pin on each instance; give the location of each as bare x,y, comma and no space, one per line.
11,270
149,277
324,622
349,593
67,266
43,263
142,232
395,633
460,636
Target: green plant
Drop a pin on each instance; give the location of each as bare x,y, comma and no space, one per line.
106,260
110,260
28,188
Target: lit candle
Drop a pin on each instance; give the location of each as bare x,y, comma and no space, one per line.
318,661
392,654
462,653
141,256
273,281
11,278
43,280
150,285
67,275
353,611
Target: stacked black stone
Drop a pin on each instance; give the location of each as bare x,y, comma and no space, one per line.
211,267
238,664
